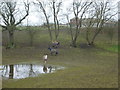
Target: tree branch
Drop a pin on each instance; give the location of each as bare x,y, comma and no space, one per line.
27,13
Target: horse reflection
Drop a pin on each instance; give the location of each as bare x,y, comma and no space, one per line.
50,69
31,72
11,73
44,69
20,71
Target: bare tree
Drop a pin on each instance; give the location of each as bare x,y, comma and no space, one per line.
79,9
102,15
42,7
98,16
89,23
67,16
8,13
56,9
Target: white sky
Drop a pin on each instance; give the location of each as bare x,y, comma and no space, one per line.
37,18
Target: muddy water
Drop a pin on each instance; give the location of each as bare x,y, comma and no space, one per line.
19,71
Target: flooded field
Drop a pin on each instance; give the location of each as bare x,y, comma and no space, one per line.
19,71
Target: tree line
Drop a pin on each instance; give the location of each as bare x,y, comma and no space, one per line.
91,15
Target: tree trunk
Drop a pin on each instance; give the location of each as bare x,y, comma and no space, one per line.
49,31
87,37
54,13
74,43
11,39
58,28
47,20
92,42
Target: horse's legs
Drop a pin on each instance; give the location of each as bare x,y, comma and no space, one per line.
56,53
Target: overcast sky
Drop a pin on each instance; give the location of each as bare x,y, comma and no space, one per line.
37,18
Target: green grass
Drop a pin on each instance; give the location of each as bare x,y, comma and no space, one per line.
113,48
84,68
109,47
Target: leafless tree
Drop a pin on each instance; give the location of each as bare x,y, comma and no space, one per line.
102,14
42,5
8,13
79,9
56,9
89,23
67,16
54,5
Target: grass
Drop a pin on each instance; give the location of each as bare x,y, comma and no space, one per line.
84,68
109,47
113,48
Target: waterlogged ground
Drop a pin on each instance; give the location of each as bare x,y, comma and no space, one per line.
20,71
85,68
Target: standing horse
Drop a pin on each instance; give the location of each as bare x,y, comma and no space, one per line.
53,51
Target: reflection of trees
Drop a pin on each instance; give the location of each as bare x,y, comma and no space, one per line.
44,69
5,70
23,71
11,72
31,70
16,68
1,71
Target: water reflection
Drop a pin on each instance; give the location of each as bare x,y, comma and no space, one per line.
11,72
50,67
20,71
45,69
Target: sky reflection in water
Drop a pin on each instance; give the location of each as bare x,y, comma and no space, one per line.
20,71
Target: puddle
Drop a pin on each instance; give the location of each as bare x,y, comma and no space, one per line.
20,71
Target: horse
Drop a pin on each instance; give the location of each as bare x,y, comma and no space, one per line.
53,51
55,44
